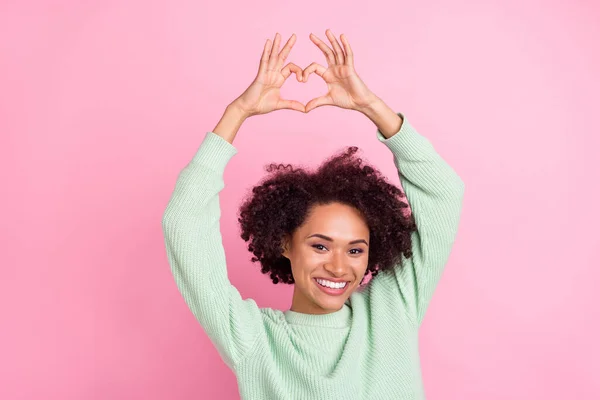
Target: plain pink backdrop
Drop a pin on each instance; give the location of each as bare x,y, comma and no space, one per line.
103,103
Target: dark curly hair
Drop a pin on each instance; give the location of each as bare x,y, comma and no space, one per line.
281,202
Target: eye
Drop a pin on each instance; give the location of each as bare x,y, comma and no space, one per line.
358,251
316,246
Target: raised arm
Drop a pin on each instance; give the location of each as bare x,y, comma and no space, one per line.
434,191
191,226
191,221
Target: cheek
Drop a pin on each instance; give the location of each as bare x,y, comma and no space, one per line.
308,257
304,264
360,266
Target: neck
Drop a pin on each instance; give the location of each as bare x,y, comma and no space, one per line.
301,304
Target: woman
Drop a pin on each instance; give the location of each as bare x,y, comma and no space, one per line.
323,232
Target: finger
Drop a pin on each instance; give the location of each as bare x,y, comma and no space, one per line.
291,67
264,60
290,105
324,48
318,102
339,54
285,51
314,67
274,52
349,53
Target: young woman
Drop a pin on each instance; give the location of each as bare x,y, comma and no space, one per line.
323,232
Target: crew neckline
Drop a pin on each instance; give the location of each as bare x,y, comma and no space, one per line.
336,319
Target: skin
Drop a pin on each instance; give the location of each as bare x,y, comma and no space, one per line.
315,257
340,222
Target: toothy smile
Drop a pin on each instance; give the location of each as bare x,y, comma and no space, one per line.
332,285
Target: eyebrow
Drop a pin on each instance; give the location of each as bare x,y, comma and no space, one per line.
331,240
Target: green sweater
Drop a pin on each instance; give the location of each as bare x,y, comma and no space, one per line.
366,350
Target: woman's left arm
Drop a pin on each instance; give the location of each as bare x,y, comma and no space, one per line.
434,192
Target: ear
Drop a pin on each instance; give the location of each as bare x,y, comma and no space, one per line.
285,246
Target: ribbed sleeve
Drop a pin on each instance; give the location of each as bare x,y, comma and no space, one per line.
435,193
195,252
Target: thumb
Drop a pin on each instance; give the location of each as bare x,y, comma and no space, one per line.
290,105
318,102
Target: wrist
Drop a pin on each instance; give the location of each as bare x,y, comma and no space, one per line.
373,106
234,108
387,120
230,122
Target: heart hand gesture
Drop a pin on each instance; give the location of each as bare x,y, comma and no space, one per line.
346,89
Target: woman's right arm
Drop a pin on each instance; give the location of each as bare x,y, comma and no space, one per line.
193,241
231,121
191,221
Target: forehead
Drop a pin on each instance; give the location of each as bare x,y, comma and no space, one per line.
337,219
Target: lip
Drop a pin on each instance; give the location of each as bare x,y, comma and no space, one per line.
330,291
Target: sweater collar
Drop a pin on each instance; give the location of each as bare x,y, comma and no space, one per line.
336,319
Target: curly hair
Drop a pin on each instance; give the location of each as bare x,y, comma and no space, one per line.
281,202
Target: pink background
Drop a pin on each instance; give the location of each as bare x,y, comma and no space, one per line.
103,103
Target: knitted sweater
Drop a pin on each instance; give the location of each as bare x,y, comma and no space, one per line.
366,350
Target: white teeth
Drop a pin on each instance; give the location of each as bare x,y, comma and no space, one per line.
333,285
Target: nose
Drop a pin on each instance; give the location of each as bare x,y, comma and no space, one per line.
335,265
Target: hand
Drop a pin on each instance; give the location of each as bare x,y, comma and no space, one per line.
263,95
346,89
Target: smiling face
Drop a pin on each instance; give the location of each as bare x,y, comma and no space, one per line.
331,245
